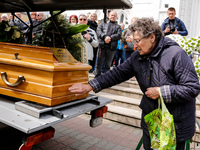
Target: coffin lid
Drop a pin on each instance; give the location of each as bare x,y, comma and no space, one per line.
35,57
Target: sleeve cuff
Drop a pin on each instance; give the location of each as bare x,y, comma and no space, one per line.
166,94
95,85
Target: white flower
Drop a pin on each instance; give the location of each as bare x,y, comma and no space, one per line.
16,34
7,28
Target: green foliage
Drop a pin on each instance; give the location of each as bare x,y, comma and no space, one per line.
10,34
191,46
77,29
68,36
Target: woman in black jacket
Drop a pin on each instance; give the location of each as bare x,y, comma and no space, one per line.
92,21
158,63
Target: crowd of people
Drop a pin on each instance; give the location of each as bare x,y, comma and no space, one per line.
115,42
110,46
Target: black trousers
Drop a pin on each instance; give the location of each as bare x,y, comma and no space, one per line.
93,62
104,55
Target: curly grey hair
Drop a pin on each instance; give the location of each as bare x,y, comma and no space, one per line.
147,26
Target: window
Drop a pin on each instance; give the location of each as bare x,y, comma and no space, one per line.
122,18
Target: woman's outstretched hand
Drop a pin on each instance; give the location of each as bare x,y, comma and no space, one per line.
80,89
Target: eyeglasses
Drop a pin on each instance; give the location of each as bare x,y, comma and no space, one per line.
137,41
82,19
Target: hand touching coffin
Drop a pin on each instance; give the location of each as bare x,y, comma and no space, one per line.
80,89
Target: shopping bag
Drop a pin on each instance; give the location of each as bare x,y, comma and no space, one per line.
161,127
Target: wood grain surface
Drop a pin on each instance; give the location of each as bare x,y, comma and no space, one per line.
46,80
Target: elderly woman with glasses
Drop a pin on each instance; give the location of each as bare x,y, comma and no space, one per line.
158,63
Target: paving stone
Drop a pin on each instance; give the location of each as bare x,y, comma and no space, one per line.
94,141
127,149
109,146
101,143
74,134
117,147
80,136
56,147
124,143
48,144
87,138
137,131
117,126
62,139
66,148
96,148
66,132
57,135
76,144
61,129
85,146
110,138
69,141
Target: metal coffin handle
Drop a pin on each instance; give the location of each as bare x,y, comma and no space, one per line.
19,80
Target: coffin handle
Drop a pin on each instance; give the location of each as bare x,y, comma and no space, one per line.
4,78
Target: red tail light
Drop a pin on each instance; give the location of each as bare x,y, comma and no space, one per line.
39,137
99,112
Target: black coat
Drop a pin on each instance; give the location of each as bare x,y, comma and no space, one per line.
93,25
115,36
167,66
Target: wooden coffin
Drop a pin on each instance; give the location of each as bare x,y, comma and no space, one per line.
46,80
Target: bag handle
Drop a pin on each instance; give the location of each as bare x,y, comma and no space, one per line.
164,108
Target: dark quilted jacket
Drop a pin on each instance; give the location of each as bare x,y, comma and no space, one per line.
167,65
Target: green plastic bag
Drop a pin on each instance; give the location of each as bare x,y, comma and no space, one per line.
161,127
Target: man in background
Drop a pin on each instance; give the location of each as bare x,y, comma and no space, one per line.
39,19
17,22
108,34
173,25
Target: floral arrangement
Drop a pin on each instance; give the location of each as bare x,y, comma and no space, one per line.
10,34
191,46
59,33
